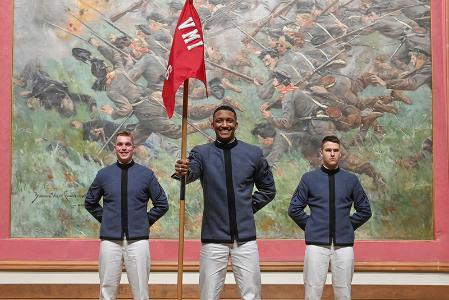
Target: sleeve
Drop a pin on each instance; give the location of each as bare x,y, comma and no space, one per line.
93,196
195,166
298,203
361,206
264,181
159,200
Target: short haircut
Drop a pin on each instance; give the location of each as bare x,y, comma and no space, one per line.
224,107
125,133
330,138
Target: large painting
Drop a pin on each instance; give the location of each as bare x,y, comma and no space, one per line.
365,65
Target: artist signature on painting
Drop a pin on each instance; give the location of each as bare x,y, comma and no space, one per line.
57,195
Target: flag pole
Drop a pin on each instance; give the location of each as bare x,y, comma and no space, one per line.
185,97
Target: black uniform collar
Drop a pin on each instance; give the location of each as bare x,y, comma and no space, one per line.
328,171
125,166
226,146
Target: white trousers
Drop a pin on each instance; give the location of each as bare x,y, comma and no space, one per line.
245,266
136,256
316,265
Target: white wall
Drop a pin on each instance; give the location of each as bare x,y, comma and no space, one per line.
377,278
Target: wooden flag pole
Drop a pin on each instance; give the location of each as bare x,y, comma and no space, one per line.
185,97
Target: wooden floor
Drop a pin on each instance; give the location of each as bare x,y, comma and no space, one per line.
269,292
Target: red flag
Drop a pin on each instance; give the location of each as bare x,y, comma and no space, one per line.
186,56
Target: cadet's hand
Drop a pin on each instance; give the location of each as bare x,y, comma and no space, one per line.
182,167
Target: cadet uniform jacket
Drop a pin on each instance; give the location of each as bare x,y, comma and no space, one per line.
330,195
126,190
228,173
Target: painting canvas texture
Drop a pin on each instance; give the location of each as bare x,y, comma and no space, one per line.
293,70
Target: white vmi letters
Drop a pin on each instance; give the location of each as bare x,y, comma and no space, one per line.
187,23
191,35
190,47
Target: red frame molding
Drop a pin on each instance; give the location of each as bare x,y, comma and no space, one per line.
24,251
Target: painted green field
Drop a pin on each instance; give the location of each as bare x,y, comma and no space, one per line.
53,167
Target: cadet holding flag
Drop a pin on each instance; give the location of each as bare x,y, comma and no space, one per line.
186,61
229,169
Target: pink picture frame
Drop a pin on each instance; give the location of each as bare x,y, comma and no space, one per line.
371,254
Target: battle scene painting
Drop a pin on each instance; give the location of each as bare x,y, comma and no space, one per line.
294,70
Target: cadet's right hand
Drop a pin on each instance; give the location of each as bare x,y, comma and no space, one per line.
182,167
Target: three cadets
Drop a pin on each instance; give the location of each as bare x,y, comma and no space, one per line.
418,77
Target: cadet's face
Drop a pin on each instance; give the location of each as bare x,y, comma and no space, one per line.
124,149
224,125
330,153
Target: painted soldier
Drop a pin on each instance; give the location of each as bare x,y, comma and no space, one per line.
301,113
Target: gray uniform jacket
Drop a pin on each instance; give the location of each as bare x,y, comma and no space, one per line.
228,174
126,190
330,195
